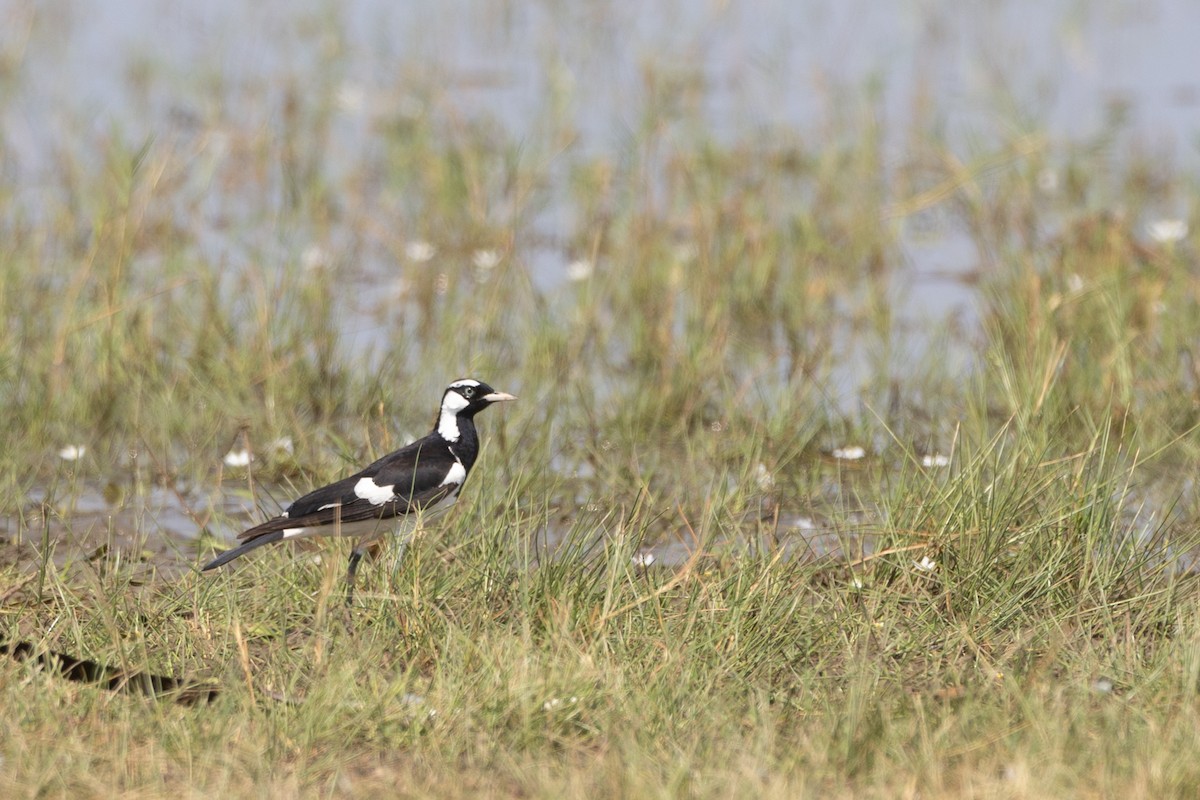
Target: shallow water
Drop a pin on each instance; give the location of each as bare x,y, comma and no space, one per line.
199,74
146,65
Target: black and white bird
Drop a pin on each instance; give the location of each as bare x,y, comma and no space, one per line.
395,493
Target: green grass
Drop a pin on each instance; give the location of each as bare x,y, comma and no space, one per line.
1052,649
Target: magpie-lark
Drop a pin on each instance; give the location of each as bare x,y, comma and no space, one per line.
395,493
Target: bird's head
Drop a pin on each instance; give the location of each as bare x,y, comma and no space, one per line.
466,398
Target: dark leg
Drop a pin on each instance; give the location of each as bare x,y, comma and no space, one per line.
355,556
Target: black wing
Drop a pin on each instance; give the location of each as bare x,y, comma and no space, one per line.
415,475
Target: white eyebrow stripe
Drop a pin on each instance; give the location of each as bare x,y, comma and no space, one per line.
463,382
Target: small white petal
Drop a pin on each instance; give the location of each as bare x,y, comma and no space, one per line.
1166,231
852,453
72,452
283,444
643,559
485,259
926,564
419,251
580,270
935,460
314,257
764,478
238,458
686,252
351,97
1047,180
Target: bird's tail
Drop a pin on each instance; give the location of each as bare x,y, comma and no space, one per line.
230,555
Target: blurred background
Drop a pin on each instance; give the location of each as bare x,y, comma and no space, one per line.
318,97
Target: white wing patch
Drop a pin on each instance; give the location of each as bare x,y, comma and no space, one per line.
367,528
368,490
456,475
328,505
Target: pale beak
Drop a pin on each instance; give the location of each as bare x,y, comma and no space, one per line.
499,397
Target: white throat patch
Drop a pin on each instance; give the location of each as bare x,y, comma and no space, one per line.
452,403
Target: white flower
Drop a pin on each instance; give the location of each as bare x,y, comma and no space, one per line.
72,452
685,252
555,702
238,458
643,559
580,270
852,453
764,478
926,564
935,460
351,97
419,251
314,257
485,259
283,444
1166,231
1047,180
857,582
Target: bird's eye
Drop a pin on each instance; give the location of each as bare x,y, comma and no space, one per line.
468,392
